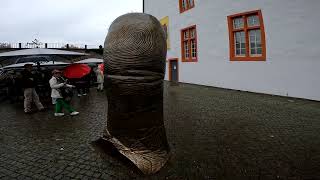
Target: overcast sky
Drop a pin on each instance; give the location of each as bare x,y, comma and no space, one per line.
61,21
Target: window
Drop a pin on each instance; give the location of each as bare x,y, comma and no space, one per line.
185,5
247,37
189,44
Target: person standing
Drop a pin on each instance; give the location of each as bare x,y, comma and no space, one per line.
30,94
87,83
79,84
11,84
56,95
100,78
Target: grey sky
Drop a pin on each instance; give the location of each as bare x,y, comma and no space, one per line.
61,21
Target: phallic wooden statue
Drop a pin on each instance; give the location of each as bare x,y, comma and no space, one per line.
135,59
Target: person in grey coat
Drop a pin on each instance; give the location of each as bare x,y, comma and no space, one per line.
100,78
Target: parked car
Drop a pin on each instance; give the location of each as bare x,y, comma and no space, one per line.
37,61
33,59
90,61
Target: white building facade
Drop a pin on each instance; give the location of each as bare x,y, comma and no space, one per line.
265,46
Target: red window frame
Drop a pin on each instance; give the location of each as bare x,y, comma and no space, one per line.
246,29
188,6
183,55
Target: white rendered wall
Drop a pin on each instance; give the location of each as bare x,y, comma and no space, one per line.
292,67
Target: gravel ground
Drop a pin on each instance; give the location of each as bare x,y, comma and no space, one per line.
213,134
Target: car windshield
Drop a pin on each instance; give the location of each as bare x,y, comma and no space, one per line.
32,59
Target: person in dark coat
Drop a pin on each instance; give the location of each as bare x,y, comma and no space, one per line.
30,94
82,85
12,87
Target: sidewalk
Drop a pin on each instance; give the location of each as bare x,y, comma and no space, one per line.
213,134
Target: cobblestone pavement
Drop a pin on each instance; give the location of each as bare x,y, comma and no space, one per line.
213,134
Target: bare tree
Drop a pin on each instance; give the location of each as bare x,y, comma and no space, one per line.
5,45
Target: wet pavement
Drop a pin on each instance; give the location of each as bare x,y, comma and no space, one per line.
213,134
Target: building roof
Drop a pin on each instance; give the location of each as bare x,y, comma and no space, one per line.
19,65
90,60
39,51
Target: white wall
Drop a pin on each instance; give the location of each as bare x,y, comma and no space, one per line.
292,67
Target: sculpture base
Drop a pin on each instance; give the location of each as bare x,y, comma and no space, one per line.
147,161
